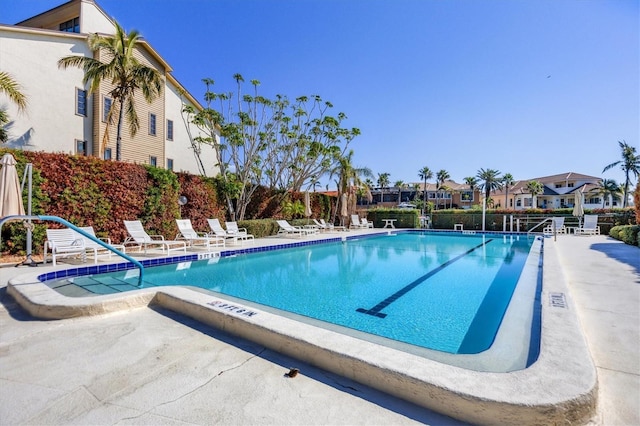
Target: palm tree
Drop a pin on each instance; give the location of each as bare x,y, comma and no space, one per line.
472,181
535,188
608,188
10,87
441,177
383,182
507,182
348,175
490,179
630,164
425,173
124,72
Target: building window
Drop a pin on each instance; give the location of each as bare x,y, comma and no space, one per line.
71,26
595,200
571,184
81,102
81,147
511,202
466,196
106,107
170,164
107,154
518,202
558,185
170,130
152,124
153,161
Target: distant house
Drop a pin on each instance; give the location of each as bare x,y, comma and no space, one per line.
450,194
62,117
559,191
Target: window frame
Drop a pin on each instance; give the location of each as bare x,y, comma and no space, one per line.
82,147
78,103
108,156
153,161
70,26
105,111
170,164
153,121
169,130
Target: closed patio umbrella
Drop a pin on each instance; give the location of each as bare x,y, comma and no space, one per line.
344,208
10,193
307,204
578,208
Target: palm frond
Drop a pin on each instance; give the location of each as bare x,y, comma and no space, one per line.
11,88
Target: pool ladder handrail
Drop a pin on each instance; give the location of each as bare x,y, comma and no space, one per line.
81,232
553,225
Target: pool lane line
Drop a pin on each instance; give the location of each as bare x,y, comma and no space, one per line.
375,311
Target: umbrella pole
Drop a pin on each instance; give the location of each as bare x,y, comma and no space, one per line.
28,174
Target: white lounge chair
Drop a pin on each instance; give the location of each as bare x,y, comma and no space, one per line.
590,225
557,224
219,231
287,229
321,226
239,233
138,236
355,222
193,238
94,248
333,227
365,223
63,243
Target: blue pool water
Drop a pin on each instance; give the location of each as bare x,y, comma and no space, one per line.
446,292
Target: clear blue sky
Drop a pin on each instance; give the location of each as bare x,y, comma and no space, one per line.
529,87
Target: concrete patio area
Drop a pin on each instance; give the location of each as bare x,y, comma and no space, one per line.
153,366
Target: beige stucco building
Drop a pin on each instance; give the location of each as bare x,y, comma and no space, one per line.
62,117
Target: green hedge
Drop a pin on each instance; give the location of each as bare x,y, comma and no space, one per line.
405,218
629,234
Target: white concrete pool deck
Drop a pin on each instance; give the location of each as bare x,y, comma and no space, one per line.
149,365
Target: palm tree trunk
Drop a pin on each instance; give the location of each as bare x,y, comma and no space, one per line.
119,132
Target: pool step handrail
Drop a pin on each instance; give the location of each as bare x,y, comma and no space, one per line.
81,232
553,225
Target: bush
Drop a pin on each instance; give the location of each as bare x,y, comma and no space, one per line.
405,218
629,234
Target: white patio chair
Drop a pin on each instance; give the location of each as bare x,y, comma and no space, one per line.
589,226
219,231
240,233
365,223
355,222
194,238
139,237
94,248
332,227
287,229
321,227
557,223
63,243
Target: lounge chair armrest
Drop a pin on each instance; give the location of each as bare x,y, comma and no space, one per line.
157,237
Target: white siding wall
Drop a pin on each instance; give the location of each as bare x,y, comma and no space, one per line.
180,149
50,122
93,20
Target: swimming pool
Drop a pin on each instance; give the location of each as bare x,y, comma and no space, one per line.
444,292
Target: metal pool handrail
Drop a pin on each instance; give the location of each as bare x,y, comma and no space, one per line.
81,232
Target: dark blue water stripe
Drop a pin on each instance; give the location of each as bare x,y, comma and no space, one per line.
484,326
375,311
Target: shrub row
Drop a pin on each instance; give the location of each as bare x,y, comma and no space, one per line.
88,191
629,234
